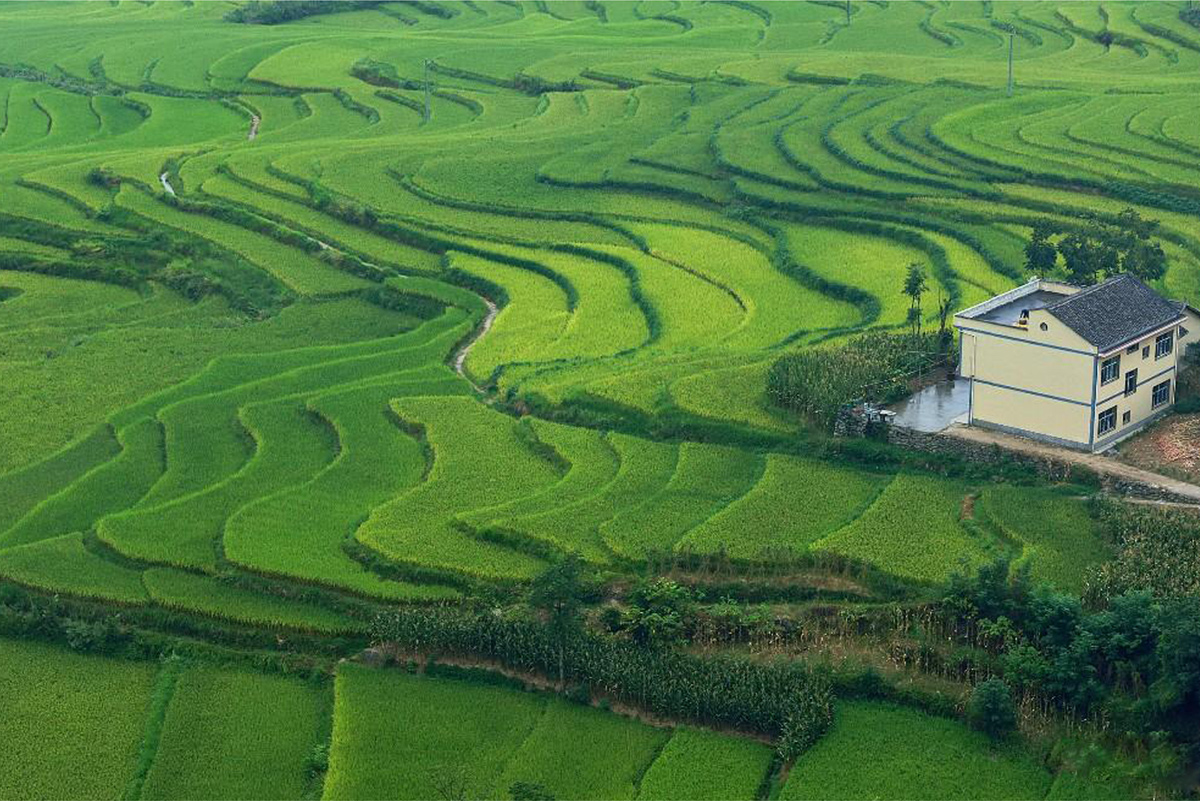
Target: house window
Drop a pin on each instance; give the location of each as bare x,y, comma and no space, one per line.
1110,369
1146,352
1131,382
1162,394
1126,417
1164,344
1183,333
1132,349
1107,421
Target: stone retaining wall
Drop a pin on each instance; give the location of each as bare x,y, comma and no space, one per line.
1052,468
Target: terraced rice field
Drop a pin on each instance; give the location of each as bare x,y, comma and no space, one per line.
505,737
878,750
279,348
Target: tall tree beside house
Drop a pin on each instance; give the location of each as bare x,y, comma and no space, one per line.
1099,249
914,287
1041,255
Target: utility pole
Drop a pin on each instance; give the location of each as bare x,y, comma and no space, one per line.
1010,65
428,104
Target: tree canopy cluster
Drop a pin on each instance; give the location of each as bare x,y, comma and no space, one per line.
1098,249
1135,662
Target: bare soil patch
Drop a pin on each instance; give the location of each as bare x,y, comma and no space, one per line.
1171,446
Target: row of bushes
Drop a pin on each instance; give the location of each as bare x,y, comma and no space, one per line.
521,82
251,221
773,698
275,12
380,73
150,632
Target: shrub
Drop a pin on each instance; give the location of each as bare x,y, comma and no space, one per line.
87,636
379,73
524,790
991,709
274,13
103,177
660,612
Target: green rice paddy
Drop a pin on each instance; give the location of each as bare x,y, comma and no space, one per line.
252,377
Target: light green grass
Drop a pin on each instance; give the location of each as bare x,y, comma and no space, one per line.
698,764
235,735
409,715
877,750
913,529
794,503
72,724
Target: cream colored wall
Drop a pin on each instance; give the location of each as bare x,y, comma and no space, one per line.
1139,403
966,354
1056,332
1016,360
1192,324
1049,371
1030,413
1151,371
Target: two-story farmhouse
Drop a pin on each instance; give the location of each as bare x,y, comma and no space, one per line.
1082,368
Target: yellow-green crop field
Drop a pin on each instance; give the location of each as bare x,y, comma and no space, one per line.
312,311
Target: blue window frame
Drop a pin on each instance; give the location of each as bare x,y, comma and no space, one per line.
1162,394
1110,369
1107,421
1164,344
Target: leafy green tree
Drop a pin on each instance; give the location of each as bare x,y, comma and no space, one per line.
559,592
1041,255
1177,653
659,613
991,709
914,287
1088,256
1099,249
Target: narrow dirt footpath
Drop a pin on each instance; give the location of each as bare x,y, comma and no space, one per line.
166,185
461,357
254,121
1096,462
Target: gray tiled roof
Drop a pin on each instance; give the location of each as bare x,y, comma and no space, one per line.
1115,311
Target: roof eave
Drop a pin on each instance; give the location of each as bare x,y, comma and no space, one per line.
1152,332
983,307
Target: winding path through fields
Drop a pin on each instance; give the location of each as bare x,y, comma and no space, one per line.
166,185
461,357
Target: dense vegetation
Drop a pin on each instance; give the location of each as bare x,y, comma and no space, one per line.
873,367
502,338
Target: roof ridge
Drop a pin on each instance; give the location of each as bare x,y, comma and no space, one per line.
1085,291
1116,311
